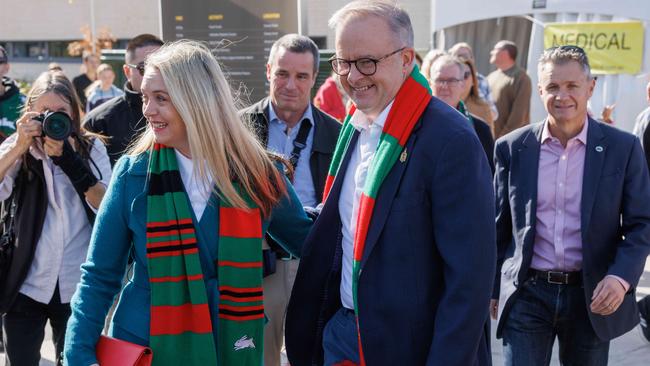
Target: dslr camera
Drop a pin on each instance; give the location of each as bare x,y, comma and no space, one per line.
56,125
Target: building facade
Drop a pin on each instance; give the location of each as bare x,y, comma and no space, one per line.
44,39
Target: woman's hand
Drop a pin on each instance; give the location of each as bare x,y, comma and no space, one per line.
52,147
606,114
27,128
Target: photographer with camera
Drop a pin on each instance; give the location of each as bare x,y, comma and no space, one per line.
53,176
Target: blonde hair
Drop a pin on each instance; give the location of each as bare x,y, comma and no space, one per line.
103,67
221,146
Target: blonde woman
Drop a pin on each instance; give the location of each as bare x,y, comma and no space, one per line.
192,201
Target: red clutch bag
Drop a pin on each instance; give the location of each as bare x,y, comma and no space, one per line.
116,352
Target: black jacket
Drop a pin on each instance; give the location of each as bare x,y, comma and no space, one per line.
31,194
326,132
120,119
485,136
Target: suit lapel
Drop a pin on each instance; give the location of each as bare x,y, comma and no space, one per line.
385,198
526,168
524,176
594,158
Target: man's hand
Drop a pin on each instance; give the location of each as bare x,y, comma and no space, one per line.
607,296
494,308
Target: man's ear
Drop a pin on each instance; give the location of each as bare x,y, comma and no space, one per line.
268,72
408,57
592,86
127,72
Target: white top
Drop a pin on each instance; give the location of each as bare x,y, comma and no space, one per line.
64,238
353,183
198,193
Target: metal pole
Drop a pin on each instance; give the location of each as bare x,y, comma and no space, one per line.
92,25
302,17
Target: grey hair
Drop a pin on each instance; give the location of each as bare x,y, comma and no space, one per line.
564,54
297,44
447,60
429,59
397,18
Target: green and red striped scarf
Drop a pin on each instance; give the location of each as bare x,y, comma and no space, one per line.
409,104
462,108
181,325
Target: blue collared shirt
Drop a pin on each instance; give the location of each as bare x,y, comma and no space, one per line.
281,142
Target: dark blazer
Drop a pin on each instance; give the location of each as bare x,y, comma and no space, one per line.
430,253
326,132
615,185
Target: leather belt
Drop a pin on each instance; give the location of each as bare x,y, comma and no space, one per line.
557,277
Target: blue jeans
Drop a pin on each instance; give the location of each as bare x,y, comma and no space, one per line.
543,311
340,339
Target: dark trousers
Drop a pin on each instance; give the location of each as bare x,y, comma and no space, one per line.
340,339
24,329
544,311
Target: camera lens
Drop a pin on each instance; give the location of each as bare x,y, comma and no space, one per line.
57,126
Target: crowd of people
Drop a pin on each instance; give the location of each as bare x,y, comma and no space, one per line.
386,233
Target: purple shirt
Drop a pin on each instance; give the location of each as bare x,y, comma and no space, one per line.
558,239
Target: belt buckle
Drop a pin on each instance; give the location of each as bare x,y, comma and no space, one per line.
550,274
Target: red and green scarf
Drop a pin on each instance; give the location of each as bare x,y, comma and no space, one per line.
410,102
181,325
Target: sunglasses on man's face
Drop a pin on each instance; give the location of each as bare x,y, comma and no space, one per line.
139,67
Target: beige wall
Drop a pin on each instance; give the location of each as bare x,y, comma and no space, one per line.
319,12
42,20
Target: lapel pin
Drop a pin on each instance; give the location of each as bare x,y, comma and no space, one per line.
599,148
403,155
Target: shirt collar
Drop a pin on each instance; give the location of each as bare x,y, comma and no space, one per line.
582,136
273,117
361,122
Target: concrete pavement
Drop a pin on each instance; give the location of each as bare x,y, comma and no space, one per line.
630,349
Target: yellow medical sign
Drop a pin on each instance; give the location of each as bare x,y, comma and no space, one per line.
612,47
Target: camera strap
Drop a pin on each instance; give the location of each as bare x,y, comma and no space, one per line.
9,214
300,142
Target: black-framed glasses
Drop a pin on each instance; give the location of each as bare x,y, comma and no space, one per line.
139,67
447,82
366,66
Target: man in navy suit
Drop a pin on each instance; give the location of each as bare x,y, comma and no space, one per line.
429,259
573,225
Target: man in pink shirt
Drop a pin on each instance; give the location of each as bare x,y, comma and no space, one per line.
573,225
